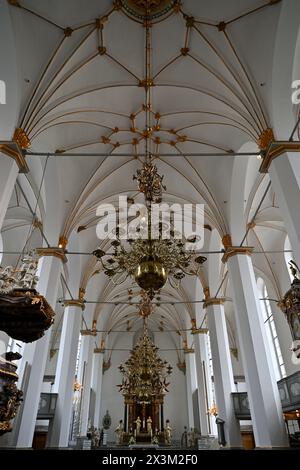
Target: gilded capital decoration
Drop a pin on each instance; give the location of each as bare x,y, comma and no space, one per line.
21,138
226,240
275,149
14,151
195,330
236,250
213,301
265,139
74,303
52,251
199,331
62,242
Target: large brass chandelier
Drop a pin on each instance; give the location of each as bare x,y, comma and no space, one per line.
144,373
149,260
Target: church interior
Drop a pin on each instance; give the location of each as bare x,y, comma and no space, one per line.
149,224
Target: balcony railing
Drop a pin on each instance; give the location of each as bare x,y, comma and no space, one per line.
289,391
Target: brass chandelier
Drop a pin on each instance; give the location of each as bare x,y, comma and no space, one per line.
150,261
144,373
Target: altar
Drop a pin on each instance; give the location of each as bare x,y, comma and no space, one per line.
144,386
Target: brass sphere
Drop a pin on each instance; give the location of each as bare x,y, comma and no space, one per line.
150,274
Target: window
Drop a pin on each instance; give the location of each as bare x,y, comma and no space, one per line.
271,331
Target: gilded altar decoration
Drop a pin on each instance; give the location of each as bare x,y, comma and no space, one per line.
10,395
25,314
144,385
144,373
290,304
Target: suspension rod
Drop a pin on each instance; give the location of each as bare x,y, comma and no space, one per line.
96,154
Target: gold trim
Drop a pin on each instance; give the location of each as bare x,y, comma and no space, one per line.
213,301
226,240
99,350
81,294
236,250
6,372
52,251
21,138
276,149
199,331
13,150
62,242
189,350
266,138
88,332
74,303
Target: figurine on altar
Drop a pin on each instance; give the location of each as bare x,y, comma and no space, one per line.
149,426
138,423
168,433
96,438
191,438
184,438
119,431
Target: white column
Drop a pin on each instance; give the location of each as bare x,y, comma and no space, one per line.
284,172
268,425
202,388
8,175
85,377
223,374
37,352
97,387
190,376
65,375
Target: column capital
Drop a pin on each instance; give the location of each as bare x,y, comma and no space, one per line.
74,303
214,301
52,251
199,331
275,149
88,332
236,250
189,350
13,150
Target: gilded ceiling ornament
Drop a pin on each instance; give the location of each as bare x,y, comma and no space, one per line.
148,9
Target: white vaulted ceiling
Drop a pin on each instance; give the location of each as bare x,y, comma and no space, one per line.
80,67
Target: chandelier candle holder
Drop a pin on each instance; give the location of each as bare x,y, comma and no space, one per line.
150,261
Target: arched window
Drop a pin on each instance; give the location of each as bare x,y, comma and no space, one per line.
272,336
